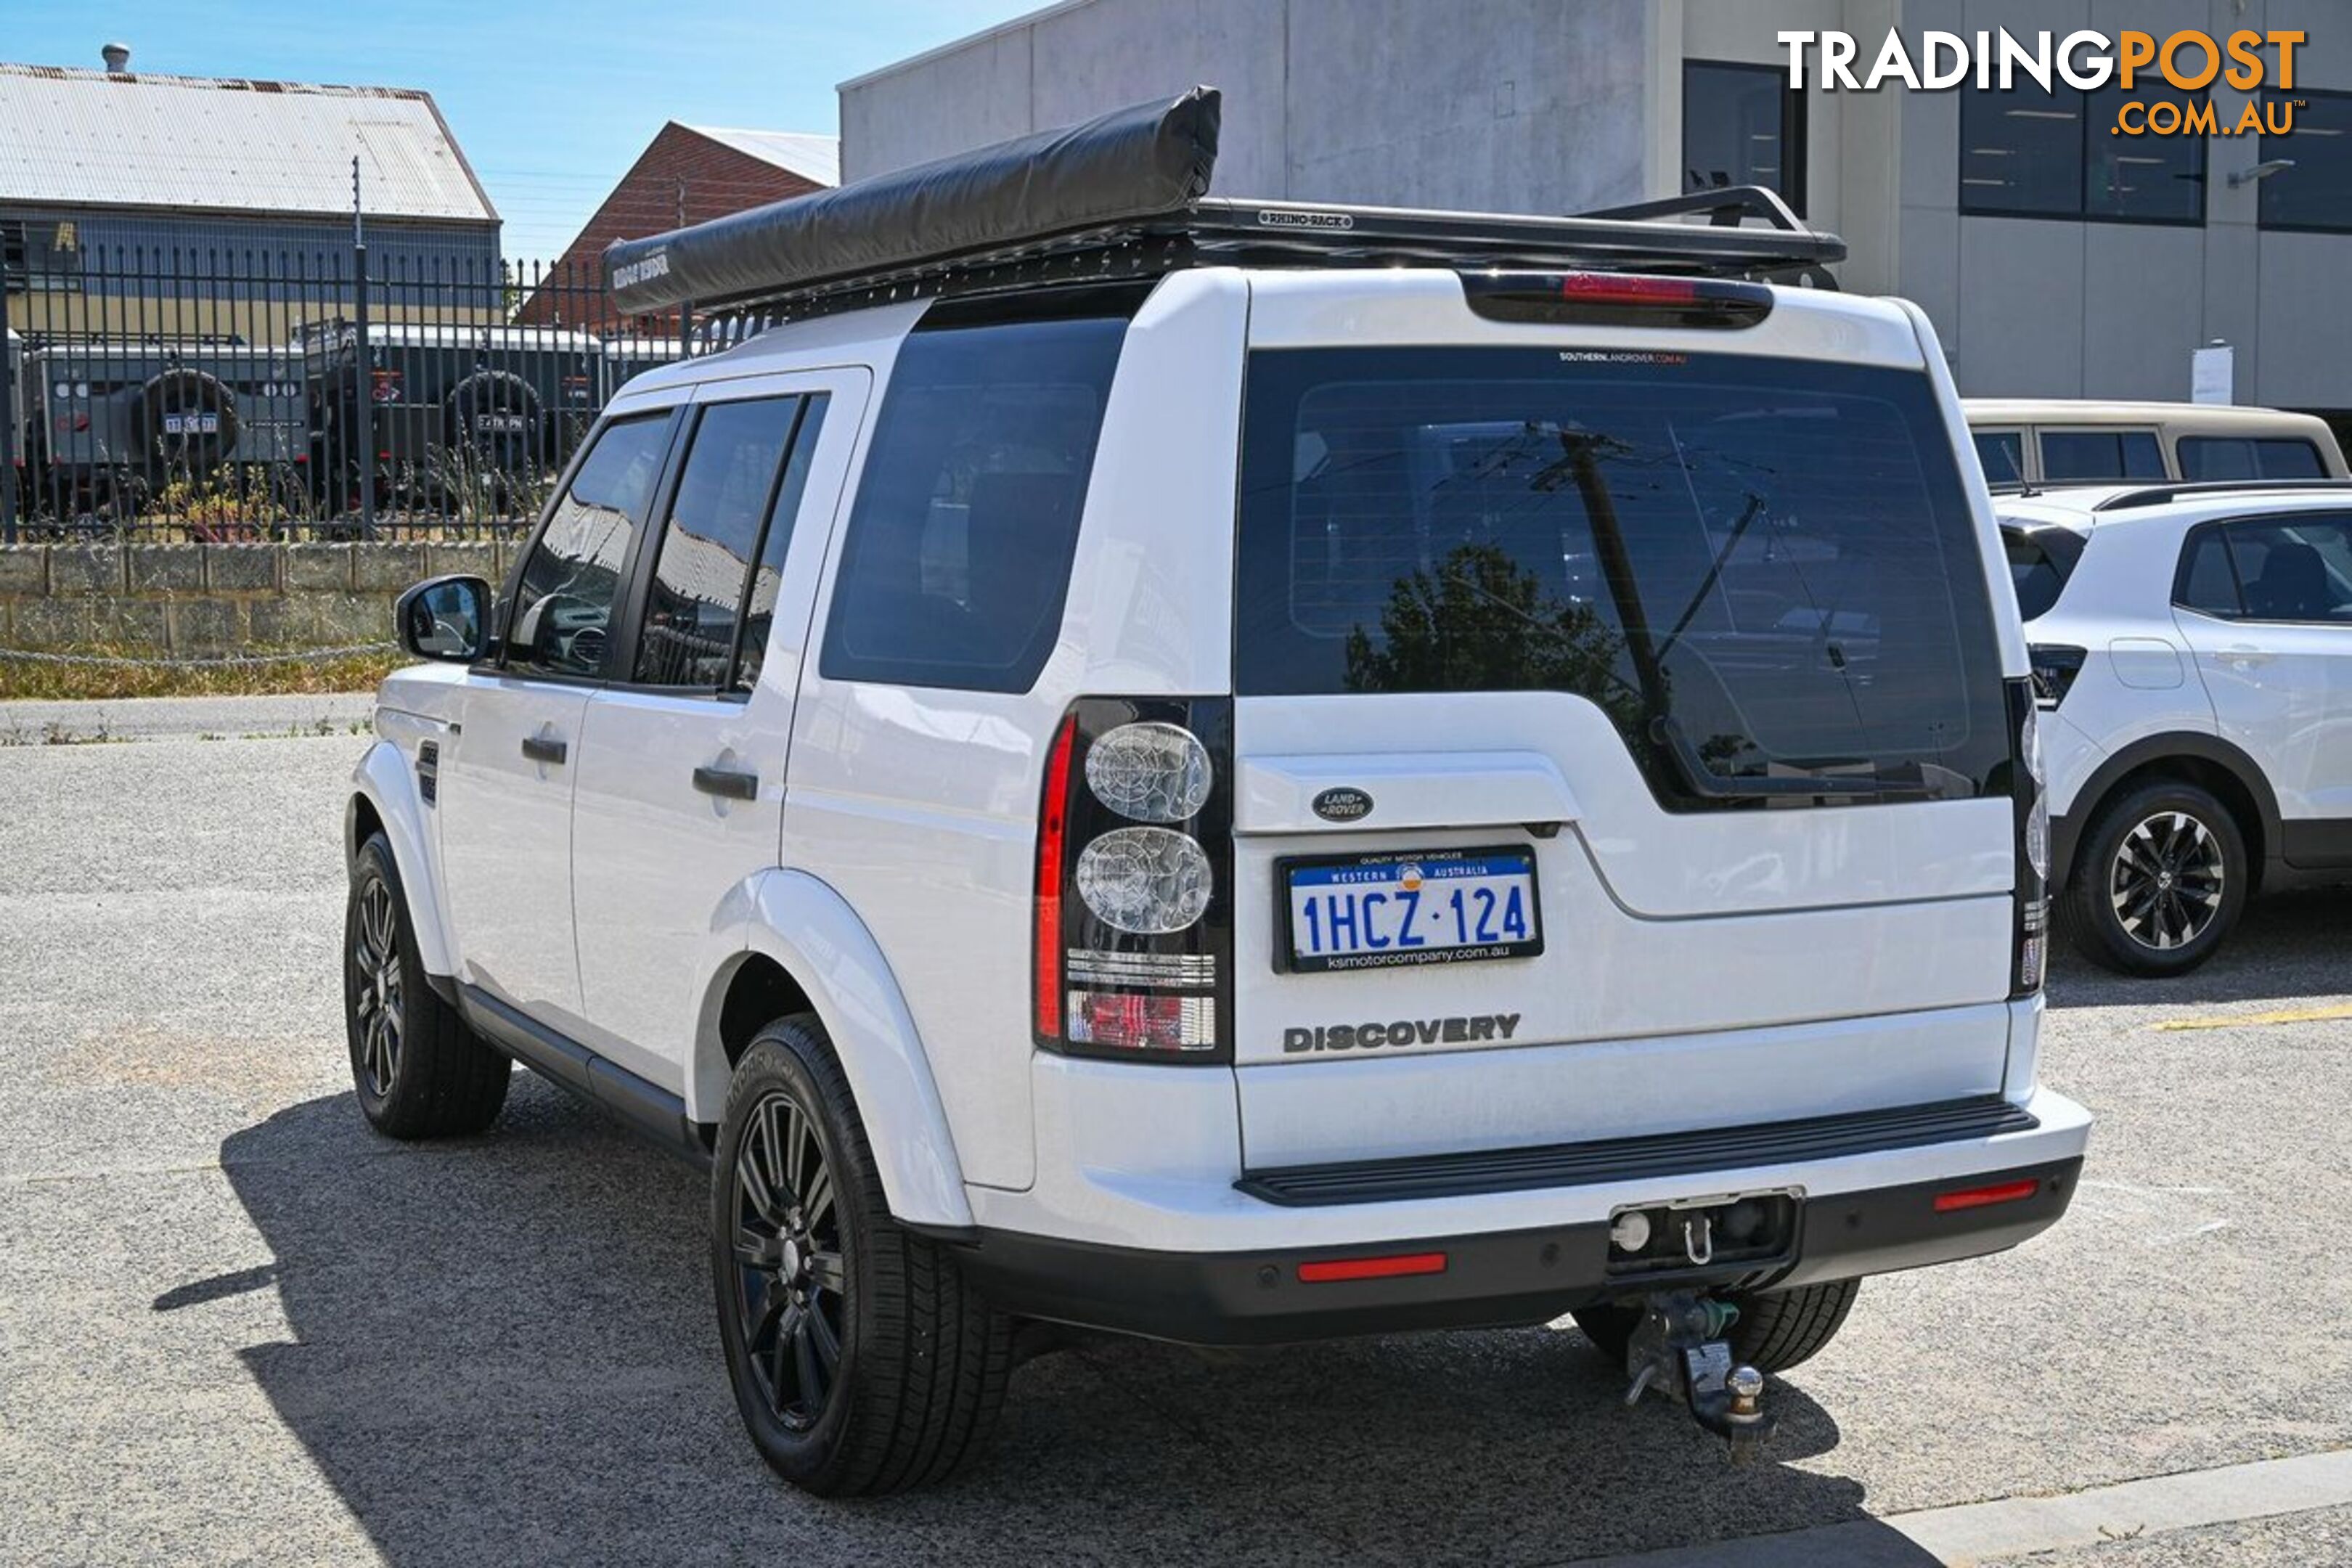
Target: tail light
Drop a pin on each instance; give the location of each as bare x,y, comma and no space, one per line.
1616,298
2032,798
2054,669
384,385
1132,941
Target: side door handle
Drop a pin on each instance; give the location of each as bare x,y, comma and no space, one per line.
545,749
732,783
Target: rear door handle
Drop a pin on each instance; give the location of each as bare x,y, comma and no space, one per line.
731,783
545,749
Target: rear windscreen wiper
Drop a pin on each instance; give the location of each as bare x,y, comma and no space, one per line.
1706,782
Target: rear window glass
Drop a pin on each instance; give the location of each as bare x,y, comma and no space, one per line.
959,548
2003,454
2241,457
1764,571
2102,455
2040,562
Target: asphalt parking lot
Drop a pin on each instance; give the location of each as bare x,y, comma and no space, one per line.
236,1326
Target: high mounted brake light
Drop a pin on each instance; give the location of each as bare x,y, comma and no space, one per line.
1616,298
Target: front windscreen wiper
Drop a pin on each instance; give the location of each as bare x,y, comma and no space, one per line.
1706,782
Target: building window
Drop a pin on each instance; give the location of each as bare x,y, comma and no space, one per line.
2316,193
2025,152
1742,125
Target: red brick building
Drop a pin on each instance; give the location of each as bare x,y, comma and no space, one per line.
689,174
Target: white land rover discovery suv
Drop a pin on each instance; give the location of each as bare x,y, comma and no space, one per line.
1239,772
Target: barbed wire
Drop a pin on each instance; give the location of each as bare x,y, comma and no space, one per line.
221,661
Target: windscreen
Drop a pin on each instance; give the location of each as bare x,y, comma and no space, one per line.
1764,571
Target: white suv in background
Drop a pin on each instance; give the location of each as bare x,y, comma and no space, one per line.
1176,780
2192,652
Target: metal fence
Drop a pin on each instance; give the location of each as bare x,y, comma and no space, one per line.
231,395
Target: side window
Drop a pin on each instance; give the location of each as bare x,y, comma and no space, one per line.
2207,582
2002,454
692,606
2101,455
564,593
2244,457
2294,569
957,556
781,517
2288,460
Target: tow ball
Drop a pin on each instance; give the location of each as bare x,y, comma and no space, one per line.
1679,1349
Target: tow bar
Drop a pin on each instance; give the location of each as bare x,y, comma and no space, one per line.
1679,1349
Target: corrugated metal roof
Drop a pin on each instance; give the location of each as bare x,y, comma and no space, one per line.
83,138
809,156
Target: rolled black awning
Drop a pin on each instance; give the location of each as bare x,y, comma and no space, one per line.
1132,164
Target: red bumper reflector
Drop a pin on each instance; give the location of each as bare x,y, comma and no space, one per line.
1371,1268
1978,1198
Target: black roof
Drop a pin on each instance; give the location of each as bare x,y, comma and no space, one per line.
1126,195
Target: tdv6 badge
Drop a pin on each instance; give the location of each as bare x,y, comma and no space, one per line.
1342,804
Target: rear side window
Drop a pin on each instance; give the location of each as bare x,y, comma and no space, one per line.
2040,562
732,461
958,553
2242,458
1759,570
2002,454
2278,569
564,595
2102,455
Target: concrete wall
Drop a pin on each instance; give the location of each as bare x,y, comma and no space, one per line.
1324,99
183,601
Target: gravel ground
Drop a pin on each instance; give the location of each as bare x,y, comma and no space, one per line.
236,1326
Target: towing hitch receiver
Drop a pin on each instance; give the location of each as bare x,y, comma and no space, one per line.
1679,1349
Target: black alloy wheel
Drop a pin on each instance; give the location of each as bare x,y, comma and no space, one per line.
791,1285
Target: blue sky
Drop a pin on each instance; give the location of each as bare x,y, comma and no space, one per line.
550,103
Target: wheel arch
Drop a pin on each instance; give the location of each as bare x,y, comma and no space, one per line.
384,799
2207,761
805,949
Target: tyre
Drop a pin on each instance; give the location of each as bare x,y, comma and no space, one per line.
861,1360
1776,1330
419,1070
2160,880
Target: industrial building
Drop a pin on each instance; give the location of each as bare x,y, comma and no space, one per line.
140,204
2054,260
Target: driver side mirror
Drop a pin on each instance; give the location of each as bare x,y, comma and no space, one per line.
445,618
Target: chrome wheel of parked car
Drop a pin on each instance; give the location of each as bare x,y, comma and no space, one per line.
374,962
2165,881
791,1287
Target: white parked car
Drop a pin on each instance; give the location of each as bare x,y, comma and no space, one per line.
1178,782
2192,650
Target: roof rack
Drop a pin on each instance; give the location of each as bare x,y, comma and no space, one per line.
2161,495
1126,197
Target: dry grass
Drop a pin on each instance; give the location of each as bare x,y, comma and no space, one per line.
53,683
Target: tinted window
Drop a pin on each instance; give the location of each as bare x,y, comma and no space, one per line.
1776,558
2003,454
2040,562
958,546
1743,126
781,519
2025,152
2207,580
565,592
2316,193
2293,569
2101,455
2242,458
732,459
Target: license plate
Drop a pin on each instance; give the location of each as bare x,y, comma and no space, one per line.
191,424
498,423
1387,911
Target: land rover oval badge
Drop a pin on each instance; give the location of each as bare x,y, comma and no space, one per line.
1343,804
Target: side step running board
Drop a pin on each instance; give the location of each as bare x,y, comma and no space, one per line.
1631,1159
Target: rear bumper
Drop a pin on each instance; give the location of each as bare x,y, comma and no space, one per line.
1488,1279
